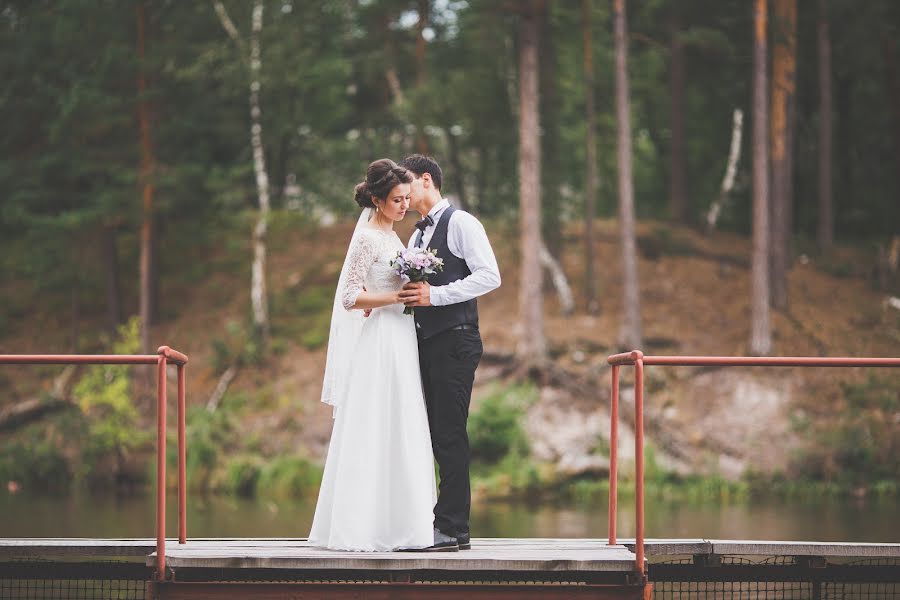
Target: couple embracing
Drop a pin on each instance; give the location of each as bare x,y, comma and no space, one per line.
401,385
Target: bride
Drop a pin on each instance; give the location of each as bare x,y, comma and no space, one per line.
378,489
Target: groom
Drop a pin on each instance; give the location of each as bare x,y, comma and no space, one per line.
449,342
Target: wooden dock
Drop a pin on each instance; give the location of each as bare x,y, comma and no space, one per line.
280,568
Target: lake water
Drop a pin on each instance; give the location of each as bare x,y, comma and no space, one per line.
108,516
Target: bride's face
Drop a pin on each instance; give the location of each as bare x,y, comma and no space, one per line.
395,205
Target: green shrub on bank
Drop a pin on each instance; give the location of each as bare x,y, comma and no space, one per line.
290,476
862,447
36,465
104,394
495,429
242,476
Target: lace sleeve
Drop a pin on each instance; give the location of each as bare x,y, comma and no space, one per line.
360,257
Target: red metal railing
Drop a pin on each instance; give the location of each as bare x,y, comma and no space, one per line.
637,358
164,356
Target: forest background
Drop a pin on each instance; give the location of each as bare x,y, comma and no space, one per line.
689,177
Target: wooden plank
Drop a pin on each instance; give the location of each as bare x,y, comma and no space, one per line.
771,548
670,547
514,555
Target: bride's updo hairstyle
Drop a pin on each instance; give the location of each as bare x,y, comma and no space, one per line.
382,176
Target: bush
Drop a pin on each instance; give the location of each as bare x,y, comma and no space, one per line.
290,476
242,476
104,395
862,447
36,465
495,429
206,436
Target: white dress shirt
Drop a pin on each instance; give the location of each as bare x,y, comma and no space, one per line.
467,240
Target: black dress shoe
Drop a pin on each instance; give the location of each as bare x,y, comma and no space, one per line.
442,543
464,541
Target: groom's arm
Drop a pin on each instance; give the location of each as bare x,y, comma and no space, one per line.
467,239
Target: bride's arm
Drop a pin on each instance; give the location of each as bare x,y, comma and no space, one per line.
353,294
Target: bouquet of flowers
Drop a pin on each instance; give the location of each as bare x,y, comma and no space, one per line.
416,264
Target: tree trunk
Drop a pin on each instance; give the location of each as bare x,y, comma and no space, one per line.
760,330
423,8
258,295
590,188
678,202
531,349
892,72
113,287
148,163
825,235
783,85
551,170
630,334
456,163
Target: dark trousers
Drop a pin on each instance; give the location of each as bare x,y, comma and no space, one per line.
448,361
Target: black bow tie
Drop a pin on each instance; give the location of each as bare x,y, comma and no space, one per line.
424,223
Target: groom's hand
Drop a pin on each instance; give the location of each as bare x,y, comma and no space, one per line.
416,294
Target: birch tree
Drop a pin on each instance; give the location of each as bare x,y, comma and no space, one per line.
630,334
258,294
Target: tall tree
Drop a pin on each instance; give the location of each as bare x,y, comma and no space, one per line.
148,163
551,167
784,61
760,329
630,335
590,140
825,229
678,195
258,295
423,7
531,348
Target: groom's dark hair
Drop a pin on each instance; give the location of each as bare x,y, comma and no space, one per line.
421,164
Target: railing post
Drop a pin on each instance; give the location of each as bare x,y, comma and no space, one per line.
182,477
613,453
161,467
639,461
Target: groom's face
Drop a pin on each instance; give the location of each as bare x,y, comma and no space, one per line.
417,192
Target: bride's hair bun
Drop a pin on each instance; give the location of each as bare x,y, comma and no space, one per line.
363,196
382,176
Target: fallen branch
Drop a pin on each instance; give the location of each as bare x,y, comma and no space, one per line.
33,409
558,277
221,387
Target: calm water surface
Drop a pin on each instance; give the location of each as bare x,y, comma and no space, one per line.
108,516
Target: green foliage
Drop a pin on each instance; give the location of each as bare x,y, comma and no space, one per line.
862,446
36,464
495,429
242,475
315,300
290,476
241,345
104,395
206,436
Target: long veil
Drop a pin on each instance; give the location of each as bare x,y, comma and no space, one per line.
345,329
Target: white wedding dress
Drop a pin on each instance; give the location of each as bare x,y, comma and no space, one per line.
378,489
